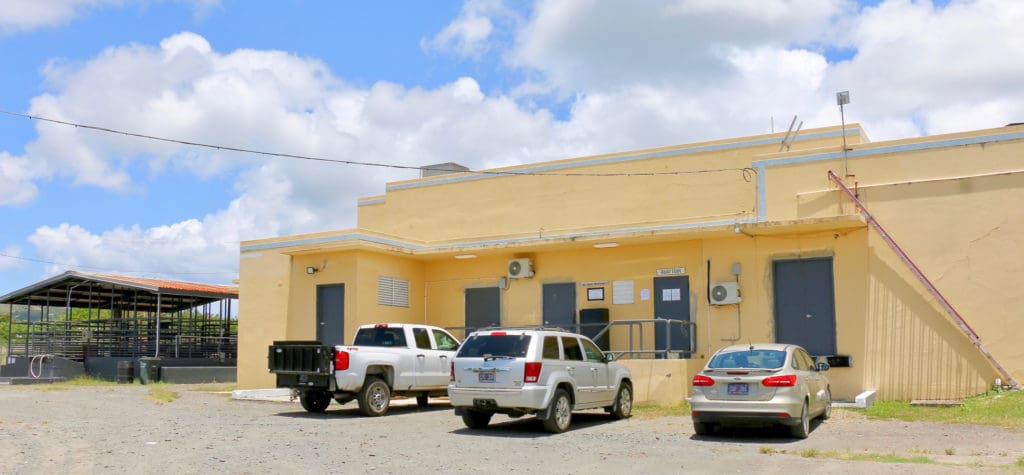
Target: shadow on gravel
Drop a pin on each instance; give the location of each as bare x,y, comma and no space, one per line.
755,434
528,427
349,411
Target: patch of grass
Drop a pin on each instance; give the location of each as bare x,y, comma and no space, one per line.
80,381
654,412
768,450
866,457
1001,409
950,451
1020,462
809,453
161,392
214,388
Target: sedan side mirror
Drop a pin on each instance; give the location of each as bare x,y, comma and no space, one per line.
823,366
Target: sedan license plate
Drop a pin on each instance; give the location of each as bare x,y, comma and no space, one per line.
486,377
739,389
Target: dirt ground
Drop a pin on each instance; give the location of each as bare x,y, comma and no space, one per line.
119,429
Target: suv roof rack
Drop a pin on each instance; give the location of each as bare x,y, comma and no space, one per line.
529,327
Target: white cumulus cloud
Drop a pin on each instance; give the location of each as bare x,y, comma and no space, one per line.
26,15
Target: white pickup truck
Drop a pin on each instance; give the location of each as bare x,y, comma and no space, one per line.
384,359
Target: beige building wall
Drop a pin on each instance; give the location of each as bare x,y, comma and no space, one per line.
942,198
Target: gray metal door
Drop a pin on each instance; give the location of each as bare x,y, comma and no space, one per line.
559,305
330,314
672,301
805,304
483,308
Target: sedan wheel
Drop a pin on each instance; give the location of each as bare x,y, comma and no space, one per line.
801,430
828,405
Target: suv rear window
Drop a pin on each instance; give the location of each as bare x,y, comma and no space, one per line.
482,346
380,337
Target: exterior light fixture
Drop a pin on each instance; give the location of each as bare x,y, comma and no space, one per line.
736,228
605,245
310,270
465,256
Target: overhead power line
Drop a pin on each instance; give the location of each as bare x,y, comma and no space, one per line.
747,172
120,271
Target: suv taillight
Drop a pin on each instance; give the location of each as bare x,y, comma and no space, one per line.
452,370
701,380
777,381
531,373
340,360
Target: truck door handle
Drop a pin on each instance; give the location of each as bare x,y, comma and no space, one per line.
421,356
571,369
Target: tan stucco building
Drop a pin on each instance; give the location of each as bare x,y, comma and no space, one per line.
644,234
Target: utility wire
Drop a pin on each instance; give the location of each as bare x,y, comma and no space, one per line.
747,172
120,271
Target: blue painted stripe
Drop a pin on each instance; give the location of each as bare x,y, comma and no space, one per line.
495,242
331,239
375,201
625,158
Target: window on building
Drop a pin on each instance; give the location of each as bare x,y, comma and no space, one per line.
392,291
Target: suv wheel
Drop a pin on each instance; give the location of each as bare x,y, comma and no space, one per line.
623,407
476,419
560,413
374,398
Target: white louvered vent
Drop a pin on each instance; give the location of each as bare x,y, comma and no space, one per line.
392,291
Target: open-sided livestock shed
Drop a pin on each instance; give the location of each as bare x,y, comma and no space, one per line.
80,322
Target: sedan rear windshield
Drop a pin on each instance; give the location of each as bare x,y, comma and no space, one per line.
483,346
758,359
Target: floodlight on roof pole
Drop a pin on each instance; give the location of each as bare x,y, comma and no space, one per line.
843,98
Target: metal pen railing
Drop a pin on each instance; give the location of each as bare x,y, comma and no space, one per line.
636,344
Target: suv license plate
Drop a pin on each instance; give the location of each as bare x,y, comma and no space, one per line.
738,389
486,377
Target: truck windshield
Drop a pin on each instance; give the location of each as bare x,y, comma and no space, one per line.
380,337
482,346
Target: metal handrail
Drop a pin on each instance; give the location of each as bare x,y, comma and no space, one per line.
635,347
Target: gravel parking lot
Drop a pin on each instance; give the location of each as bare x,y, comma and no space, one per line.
119,429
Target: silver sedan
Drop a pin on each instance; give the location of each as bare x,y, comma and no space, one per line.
760,383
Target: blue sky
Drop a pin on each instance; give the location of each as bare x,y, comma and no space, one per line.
484,83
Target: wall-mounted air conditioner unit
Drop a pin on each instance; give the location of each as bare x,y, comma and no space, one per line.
520,268
725,293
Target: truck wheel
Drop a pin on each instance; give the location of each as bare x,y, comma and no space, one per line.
315,400
374,398
476,419
423,401
623,407
560,411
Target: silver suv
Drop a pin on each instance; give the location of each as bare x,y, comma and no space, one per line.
547,372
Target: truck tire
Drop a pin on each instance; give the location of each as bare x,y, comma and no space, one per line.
560,411
476,419
315,400
374,398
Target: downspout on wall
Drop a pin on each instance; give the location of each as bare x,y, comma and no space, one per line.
964,327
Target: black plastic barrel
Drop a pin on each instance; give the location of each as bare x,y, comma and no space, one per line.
125,372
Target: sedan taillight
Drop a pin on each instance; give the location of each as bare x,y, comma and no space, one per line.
780,381
701,380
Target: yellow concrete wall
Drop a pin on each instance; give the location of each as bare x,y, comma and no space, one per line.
947,207
263,300
545,205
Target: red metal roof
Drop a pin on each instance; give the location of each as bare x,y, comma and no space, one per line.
175,285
